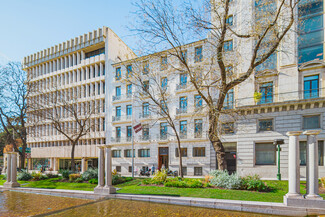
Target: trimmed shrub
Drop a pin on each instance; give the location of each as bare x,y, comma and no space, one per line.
24,176
93,181
79,180
223,180
323,181
159,177
43,177
183,183
253,183
65,173
52,175
73,177
90,174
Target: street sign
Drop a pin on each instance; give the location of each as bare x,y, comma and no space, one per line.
137,128
28,150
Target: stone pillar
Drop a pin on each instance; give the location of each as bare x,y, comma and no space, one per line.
8,167
78,58
11,171
108,169
84,165
294,165
101,170
312,165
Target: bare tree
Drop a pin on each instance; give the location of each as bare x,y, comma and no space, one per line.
63,110
13,106
164,24
152,87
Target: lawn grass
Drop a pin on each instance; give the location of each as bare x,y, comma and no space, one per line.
280,188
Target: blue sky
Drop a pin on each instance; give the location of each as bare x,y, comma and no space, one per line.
28,26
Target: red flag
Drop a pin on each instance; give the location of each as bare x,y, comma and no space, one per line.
137,128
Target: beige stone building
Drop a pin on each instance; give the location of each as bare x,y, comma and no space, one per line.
77,66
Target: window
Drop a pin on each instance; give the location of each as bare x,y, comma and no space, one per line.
228,128
164,83
129,90
198,128
198,54
229,100
227,46
118,133
118,92
267,93
129,70
265,125
184,170
311,122
163,63
229,70
311,87
265,154
129,133
145,86
95,53
145,132
197,101
163,106
116,153
183,79
145,109
163,131
129,110
118,111
310,30
184,55
145,69
144,152
229,20
183,104
183,152
130,169
128,153
303,153
118,169
199,152
183,129
198,171
118,74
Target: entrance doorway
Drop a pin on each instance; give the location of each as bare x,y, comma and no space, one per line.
230,157
163,157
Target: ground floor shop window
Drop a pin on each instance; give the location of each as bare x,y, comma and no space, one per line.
303,153
265,154
40,163
198,171
65,164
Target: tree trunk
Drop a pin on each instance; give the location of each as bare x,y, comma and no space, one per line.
73,166
22,157
215,140
180,158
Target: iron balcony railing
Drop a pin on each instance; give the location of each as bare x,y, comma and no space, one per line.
122,97
121,118
144,115
181,86
145,137
181,111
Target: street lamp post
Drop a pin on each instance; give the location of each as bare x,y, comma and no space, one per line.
277,143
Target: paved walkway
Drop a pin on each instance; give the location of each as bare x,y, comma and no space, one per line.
235,205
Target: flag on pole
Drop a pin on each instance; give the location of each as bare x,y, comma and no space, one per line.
137,128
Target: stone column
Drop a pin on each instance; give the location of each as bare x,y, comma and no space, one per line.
101,170
8,168
83,165
294,165
108,169
312,165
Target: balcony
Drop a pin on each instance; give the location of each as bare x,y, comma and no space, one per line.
183,135
121,118
181,86
121,140
144,115
162,137
181,111
122,97
145,138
